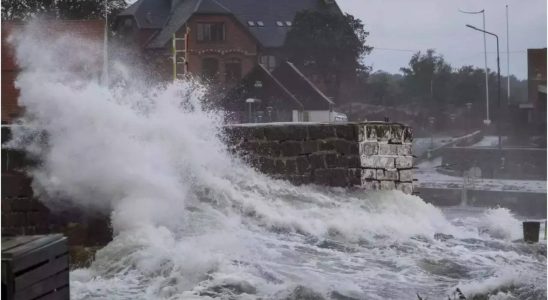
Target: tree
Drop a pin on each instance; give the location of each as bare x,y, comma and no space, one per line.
328,45
427,77
21,10
468,85
384,88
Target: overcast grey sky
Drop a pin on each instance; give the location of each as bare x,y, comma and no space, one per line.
412,25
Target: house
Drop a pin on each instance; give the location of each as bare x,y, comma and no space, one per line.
283,95
536,80
529,119
223,41
536,77
93,30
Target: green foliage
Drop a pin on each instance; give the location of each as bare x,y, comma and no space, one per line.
427,76
327,40
329,45
430,83
21,10
384,88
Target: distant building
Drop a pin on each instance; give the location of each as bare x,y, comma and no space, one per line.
90,29
226,41
283,95
536,78
536,67
219,39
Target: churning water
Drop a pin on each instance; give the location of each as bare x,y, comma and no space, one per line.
193,222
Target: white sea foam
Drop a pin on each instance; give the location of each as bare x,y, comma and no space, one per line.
501,223
191,221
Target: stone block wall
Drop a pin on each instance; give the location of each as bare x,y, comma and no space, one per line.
21,213
374,155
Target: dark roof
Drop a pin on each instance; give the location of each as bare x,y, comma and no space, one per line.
272,89
150,14
306,91
287,82
268,11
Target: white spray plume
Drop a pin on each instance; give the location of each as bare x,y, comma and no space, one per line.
189,219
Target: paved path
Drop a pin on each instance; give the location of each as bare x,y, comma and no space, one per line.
428,177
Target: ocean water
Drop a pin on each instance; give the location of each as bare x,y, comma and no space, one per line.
193,222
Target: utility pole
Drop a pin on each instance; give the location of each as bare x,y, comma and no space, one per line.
499,115
487,120
507,55
105,47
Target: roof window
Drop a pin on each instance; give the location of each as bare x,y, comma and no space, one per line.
280,23
288,23
251,23
260,23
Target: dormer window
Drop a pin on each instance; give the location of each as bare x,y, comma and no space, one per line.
280,23
288,23
260,23
251,23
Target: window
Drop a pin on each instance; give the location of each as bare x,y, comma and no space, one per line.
210,32
250,23
210,67
260,23
233,68
268,61
280,23
288,23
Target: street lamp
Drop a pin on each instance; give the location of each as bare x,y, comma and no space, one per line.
431,120
498,81
269,112
250,101
487,121
469,109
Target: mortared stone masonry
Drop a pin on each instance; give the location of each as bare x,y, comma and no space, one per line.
372,155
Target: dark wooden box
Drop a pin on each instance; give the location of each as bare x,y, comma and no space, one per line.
35,267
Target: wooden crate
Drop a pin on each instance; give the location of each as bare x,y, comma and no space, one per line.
35,267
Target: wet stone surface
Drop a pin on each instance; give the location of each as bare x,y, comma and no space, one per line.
373,156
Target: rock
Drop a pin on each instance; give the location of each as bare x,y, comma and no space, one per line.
304,293
406,175
290,148
369,148
388,149
388,185
369,174
377,161
443,237
404,162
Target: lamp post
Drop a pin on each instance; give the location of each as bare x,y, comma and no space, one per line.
431,120
498,81
269,112
469,109
250,101
487,121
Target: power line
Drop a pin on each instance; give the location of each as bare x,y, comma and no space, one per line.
394,49
421,50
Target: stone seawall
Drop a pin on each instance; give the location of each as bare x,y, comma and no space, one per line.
373,156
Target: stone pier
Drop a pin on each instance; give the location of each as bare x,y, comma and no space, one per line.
372,155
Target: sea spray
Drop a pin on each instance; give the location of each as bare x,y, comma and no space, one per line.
191,221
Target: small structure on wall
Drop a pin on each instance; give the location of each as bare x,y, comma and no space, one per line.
283,95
